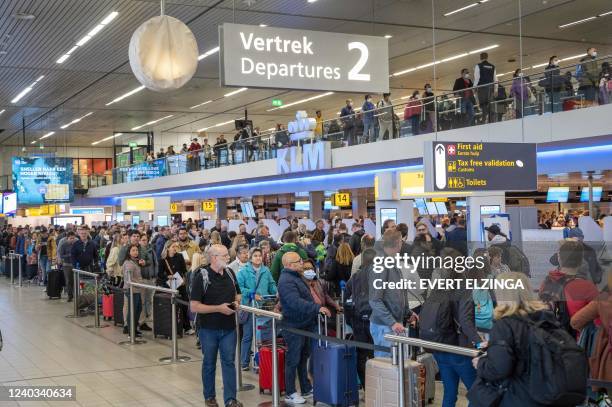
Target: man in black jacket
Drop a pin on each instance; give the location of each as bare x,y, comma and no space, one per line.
484,77
464,86
355,241
84,251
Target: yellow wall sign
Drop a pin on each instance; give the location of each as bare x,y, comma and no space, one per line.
140,204
173,207
208,206
439,199
412,183
342,199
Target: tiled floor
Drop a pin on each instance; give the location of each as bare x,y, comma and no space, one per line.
43,347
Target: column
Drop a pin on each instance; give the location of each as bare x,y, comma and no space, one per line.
474,202
221,208
359,204
388,202
316,199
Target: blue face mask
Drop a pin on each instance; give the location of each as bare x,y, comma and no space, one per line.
309,274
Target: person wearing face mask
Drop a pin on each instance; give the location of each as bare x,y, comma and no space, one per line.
463,88
587,73
319,293
553,85
385,117
412,112
520,93
429,104
255,282
484,80
368,119
347,116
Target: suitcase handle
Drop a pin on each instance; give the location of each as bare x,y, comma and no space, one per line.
319,326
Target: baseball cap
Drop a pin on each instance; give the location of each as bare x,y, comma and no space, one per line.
493,229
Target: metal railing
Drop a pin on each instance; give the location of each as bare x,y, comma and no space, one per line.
275,317
76,295
398,355
546,91
12,256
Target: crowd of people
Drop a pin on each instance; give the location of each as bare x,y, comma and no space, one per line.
307,273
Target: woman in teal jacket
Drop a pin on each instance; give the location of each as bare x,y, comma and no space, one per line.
255,281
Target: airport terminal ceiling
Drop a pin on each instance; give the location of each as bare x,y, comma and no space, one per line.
83,89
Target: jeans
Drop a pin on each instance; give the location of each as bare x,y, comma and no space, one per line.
69,278
414,122
361,332
215,341
147,315
247,339
137,309
296,359
467,108
43,263
452,368
378,336
349,135
368,131
554,102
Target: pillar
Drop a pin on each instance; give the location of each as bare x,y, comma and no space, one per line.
359,204
387,197
474,202
221,208
316,200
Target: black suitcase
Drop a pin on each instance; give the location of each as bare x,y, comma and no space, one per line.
7,267
118,299
162,317
55,283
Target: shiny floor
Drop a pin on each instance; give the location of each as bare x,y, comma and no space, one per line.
43,347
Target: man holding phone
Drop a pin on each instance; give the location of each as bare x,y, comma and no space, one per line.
215,296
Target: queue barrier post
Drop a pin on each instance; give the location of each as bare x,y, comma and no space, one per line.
275,387
96,277
19,256
11,257
132,328
398,349
175,351
237,362
75,294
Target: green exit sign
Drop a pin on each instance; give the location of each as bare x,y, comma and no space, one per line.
133,144
277,102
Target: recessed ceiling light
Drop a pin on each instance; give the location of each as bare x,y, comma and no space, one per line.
388,36
2,111
263,25
88,36
216,125
24,16
78,119
107,138
130,93
311,1
47,135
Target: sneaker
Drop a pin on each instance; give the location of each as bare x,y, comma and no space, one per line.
245,368
307,395
145,327
295,398
189,332
211,402
234,403
138,334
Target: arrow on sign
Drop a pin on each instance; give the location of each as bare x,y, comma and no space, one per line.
440,166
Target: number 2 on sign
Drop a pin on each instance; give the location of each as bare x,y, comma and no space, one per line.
354,74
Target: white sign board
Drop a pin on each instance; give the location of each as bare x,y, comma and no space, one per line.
282,58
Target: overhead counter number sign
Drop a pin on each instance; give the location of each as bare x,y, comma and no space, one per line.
342,199
464,167
208,206
282,58
173,207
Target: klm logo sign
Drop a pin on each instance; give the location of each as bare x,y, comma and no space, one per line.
309,157
302,127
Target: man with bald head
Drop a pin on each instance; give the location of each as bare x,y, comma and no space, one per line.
215,296
299,311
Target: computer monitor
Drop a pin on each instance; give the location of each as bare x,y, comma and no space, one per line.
419,203
431,208
247,209
441,207
388,213
584,194
302,206
557,194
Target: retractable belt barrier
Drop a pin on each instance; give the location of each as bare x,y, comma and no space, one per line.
76,294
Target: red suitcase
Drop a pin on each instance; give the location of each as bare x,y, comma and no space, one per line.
107,306
265,368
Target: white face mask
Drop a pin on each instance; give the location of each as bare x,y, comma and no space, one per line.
369,100
309,274
556,62
466,76
428,89
520,74
594,54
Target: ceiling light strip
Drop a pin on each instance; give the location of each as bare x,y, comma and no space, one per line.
152,122
217,125
88,36
297,102
237,91
107,138
130,93
78,119
208,53
201,104
469,6
26,90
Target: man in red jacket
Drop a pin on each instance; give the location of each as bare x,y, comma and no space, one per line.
194,157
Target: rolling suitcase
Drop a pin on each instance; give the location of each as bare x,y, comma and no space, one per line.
431,369
107,306
335,373
265,368
381,383
162,317
55,283
118,298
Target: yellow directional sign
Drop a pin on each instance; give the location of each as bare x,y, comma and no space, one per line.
342,199
208,206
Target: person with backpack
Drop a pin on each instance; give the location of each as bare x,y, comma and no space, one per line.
215,295
511,255
447,316
484,299
290,245
600,360
357,291
563,290
524,335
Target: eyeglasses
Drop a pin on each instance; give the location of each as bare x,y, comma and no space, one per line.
297,261
220,255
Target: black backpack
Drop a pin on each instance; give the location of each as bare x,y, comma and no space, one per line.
437,323
557,367
553,293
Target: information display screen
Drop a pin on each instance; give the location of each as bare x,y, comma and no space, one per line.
302,206
584,194
420,205
431,208
40,180
9,203
247,209
64,220
162,220
388,213
441,207
557,194
144,170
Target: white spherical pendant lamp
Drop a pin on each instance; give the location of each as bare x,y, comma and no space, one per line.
163,53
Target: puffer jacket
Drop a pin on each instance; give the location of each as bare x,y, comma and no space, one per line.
298,307
248,279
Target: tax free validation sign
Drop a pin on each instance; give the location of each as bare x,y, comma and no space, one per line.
270,57
465,166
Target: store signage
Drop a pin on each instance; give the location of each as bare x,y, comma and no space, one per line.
87,211
309,157
302,127
460,167
282,58
139,204
341,199
208,206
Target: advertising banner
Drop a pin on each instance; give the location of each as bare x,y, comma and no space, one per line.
282,58
145,170
476,166
40,180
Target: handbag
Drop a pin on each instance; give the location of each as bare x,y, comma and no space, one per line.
243,316
486,394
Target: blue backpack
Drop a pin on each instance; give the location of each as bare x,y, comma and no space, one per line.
483,305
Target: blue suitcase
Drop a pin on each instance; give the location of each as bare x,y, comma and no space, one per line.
335,373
